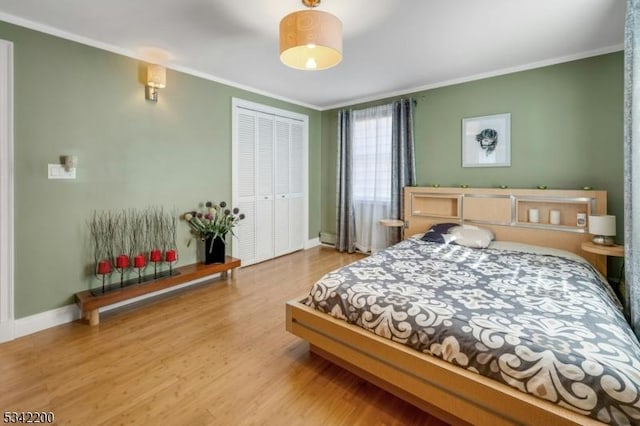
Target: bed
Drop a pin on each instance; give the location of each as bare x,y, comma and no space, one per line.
502,335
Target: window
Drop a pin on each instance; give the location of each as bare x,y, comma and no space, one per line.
371,154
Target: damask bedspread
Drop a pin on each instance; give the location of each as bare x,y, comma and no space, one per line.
545,325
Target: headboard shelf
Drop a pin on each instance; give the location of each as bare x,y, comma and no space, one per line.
436,205
508,213
564,228
566,210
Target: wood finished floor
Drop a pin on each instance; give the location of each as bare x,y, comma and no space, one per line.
214,354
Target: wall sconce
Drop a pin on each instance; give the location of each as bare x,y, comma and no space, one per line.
156,79
69,162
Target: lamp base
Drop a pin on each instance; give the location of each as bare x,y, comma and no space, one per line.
151,93
603,240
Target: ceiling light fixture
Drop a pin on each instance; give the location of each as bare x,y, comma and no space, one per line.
310,39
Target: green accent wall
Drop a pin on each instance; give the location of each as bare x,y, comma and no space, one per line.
566,132
75,99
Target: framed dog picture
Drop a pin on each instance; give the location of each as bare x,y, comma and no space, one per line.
486,141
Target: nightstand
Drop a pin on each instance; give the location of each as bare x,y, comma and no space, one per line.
393,223
617,251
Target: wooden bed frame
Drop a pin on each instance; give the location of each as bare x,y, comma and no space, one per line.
442,389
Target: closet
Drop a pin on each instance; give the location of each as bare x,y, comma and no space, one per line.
269,181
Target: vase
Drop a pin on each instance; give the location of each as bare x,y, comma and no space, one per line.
214,250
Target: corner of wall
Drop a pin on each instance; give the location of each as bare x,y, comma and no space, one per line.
314,242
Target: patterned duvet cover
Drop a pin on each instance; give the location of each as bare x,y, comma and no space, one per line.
545,325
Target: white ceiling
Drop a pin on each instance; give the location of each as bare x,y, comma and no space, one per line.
390,46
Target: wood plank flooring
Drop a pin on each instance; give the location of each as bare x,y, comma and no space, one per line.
213,354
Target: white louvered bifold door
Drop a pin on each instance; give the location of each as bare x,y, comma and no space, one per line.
269,181
244,246
264,184
296,190
282,154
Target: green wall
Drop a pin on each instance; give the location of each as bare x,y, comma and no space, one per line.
75,99
566,132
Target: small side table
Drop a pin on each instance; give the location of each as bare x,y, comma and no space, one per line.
616,250
393,223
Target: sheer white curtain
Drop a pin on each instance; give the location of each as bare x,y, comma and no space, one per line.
371,133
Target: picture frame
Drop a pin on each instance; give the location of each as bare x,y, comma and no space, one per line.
486,141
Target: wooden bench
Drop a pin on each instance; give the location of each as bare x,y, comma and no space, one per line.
90,303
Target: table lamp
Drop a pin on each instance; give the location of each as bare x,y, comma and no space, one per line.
603,228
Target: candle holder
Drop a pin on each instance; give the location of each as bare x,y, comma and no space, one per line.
122,263
155,256
171,256
103,269
139,263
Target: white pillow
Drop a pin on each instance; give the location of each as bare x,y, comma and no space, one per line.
471,236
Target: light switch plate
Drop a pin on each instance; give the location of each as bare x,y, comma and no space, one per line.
57,171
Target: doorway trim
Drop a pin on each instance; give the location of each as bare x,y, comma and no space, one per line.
6,193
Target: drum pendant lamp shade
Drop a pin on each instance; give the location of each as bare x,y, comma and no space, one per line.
310,40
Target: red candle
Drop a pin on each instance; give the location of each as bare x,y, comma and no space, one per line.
155,255
138,261
104,267
170,256
122,261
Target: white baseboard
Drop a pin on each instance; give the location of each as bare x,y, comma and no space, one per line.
43,320
6,331
158,293
312,243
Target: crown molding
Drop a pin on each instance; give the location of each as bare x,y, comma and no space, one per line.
46,29
504,71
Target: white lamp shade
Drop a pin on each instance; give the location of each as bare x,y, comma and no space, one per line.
602,225
156,76
310,40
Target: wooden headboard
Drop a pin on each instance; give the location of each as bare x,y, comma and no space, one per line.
506,213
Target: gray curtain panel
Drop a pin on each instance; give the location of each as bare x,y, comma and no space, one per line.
345,230
402,169
632,164
403,163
